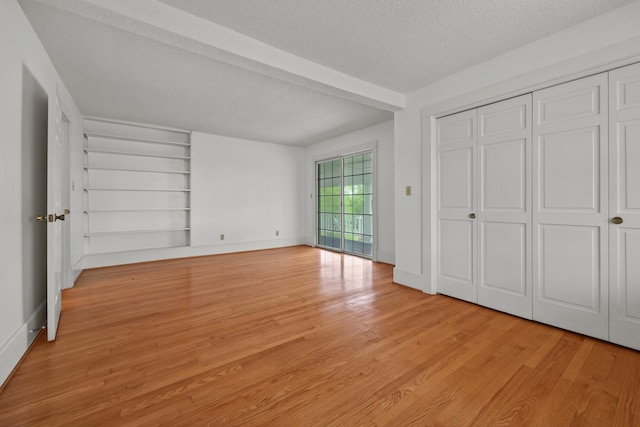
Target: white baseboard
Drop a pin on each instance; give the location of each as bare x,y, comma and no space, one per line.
131,257
388,257
76,274
15,347
405,278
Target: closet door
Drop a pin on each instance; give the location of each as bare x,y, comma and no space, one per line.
570,218
457,201
504,211
624,208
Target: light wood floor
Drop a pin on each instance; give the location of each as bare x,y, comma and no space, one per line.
301,337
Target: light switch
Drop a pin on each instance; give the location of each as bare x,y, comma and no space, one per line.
407,190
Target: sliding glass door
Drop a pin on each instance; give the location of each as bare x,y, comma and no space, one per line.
345,204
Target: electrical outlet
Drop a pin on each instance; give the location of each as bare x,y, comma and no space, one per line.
407,190
277,233
222,237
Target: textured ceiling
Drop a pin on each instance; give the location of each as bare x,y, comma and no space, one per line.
285,71
115,74
399,44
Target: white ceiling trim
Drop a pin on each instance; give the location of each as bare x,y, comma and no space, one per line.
166,24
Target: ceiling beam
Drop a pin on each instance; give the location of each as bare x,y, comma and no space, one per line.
166,24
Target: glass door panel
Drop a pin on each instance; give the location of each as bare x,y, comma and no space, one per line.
358,205
330,204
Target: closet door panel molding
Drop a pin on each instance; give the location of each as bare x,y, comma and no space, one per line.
504,258
504,177
570,171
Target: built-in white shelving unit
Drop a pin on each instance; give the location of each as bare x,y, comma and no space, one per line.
136,187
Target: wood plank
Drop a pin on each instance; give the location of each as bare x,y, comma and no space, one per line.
302,336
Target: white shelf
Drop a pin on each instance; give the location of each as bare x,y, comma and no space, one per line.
136,210
87,167
129,153
116,232
131,251
162,190
141,160
136,139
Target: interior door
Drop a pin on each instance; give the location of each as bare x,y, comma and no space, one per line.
624,161
55,210
570,218
504,211
457,202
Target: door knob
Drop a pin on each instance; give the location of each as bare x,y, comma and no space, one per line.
472,215
616,220
41,218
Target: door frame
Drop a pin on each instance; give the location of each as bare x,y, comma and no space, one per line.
371,147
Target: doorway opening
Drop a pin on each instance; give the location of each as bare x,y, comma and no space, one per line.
345,204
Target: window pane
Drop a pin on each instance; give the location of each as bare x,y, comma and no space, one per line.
348,185
337,168
367,248
368,187
367,225
358,184
357,204
337,182
336,204
367,166
357,165
325,187
348,223
321,204
368,204
357,224
336,222
348,166
321,221
348,242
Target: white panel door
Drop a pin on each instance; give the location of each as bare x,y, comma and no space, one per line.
56,214
570,217
504,211
457,201
624,161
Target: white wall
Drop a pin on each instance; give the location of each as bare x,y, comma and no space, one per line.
19,47
380,136
602,43
246,190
